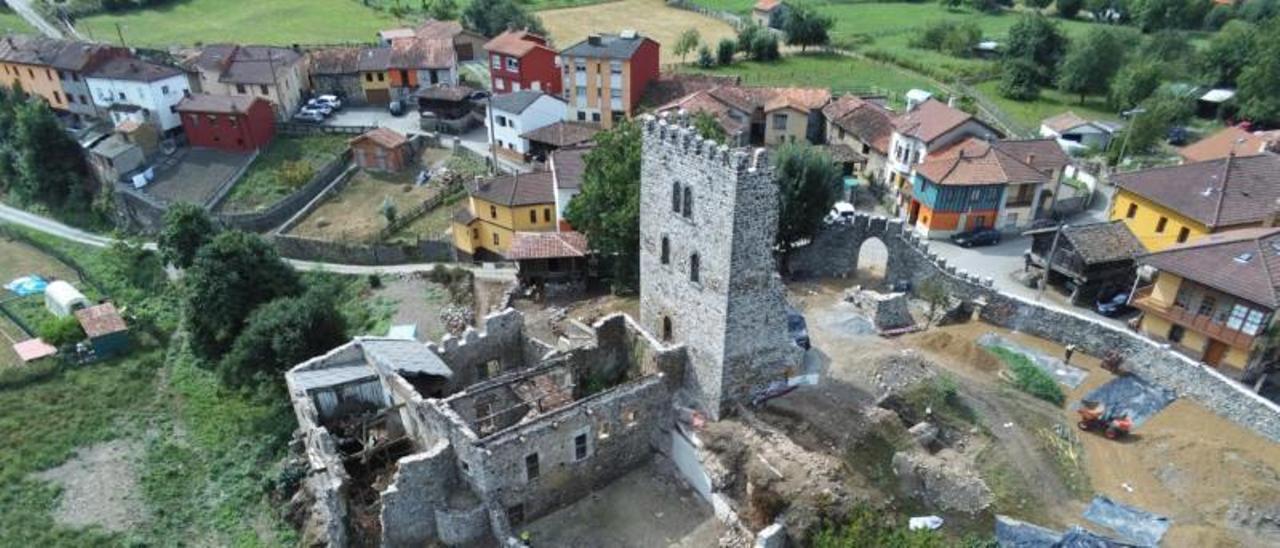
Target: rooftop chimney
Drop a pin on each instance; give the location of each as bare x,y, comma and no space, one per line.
1031,159
594,39
1273,216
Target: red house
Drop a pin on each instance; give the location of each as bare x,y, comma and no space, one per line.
520,60
228,122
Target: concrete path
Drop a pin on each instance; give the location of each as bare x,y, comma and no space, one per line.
55,228
33,17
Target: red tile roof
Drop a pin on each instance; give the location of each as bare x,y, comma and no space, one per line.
100,320
516,43
867,121
1064,122
1244,263
383,137
516,190
767,5
930,120
976,162
1223,143
218,104
548,245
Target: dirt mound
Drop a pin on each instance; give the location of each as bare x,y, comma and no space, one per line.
896,372
945,481
946,345
100,487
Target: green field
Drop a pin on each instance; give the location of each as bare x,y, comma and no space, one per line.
841,74
11,22
1051,102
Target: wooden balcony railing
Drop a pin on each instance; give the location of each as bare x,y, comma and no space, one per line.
1188,319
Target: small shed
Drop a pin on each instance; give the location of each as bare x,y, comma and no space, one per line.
1094,257
543,257
107,332
63,299
381,149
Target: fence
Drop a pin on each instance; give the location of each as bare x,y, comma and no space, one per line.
412,214
295,128
310,249
282,210
733,20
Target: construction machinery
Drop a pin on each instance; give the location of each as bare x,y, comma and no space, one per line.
1096,415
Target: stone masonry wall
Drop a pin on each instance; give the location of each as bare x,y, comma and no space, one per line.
732,319
502,339
910,259
420,486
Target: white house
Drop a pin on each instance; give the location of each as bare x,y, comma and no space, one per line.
130,88
519,112
1076,134
566,166
927,126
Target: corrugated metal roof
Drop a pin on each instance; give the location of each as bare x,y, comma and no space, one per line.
313,379
405,356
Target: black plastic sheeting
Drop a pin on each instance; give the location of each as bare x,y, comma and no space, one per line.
1134,396
1139,526
1011,533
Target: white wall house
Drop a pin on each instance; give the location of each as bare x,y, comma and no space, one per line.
1075,134
126,88
517,113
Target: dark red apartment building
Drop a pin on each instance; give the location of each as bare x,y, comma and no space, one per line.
520,60
227,122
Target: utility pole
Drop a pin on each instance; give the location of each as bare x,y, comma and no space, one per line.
1048,263
493,151
1127,132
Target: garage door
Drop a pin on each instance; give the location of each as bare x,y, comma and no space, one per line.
378,96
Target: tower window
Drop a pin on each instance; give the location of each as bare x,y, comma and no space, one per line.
666,250
675,197
531,470
666,328
688,202
693,268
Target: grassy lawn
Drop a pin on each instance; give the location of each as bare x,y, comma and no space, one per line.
1051,102
841,74
263,184
243,21
653,18
12,22
434,223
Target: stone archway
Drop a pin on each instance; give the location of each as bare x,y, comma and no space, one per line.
870,262
837,250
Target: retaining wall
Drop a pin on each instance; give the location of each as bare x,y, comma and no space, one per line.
835,252
310,249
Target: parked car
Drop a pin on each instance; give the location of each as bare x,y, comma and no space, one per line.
332,100
1113,303
319,106
308,117
396,107
976,237
798,328
478,95
841,212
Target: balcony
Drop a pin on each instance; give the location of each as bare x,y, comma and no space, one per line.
1142,300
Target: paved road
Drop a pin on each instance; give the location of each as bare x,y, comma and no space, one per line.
55,228
33,17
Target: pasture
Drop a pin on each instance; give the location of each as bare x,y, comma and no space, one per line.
652,18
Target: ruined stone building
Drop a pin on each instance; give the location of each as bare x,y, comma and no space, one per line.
465,440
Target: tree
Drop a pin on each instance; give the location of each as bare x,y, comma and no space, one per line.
765,48
607,211
1169,46
1092,62
1153,15
443,10
687,43
231,276
1151,126
1037,4
706,59
1229,51
937,296
709,127
279,335
806,27
492,17
747,37
49,166
1039,43
1019,79
808,183
1068,9
1217,17
1257,11
186,229
725,50
1258,93
1134,84
388,209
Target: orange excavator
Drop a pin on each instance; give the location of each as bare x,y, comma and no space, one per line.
1096,416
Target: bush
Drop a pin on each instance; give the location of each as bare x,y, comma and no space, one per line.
1029,378
765,48
705,58
60,332
950,37
295,173
725,50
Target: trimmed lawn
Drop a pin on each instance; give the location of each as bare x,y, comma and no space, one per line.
1050,103
840,73
262,185
242,21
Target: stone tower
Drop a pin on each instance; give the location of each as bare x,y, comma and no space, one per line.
708,218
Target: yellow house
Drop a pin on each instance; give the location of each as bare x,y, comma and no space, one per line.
374,79
1166,206
499,207
1214,298
25,63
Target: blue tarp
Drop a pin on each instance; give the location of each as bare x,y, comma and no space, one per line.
27,285
1011,533
1138,526
1130,394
